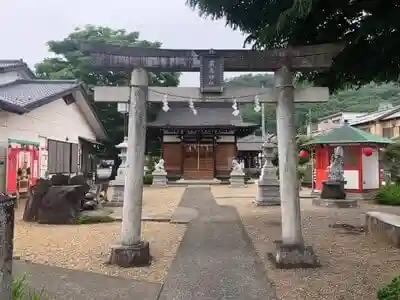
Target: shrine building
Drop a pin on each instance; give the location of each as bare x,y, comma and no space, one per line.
361,155
201,145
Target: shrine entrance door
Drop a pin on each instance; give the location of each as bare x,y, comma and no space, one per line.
198,161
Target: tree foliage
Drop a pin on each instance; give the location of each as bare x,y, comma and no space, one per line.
368,98
368,29
70,63
391,160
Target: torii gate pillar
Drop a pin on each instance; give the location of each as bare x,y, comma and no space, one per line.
131,250
290,251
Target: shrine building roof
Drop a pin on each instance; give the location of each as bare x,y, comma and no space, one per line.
347,134
209,114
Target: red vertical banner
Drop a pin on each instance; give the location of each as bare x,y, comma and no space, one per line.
321,164
34,165
12,166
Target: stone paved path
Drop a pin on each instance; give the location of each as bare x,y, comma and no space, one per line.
216,259
64,284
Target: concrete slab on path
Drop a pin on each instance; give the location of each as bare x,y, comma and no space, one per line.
216,258
117,216
65,284
184,215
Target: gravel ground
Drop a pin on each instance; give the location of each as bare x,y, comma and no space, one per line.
86,247
161,201
353,266
225,191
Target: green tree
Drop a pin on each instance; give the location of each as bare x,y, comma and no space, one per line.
367,98
368,29
391,160
70,63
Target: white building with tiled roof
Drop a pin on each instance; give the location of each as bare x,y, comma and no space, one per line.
55,117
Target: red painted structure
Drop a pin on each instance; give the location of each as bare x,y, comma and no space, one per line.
355,170
19,156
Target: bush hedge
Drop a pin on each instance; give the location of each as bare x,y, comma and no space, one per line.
388,194
147,179
391,291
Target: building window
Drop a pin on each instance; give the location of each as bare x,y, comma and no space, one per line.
337,121
366,129
387,132
63,157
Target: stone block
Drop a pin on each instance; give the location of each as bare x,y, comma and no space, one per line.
335,203
237,180
130,256
333,190
116,194
159,179
385,226
293,256
267,195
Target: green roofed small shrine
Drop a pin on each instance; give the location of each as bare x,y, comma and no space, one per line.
347,134
362,169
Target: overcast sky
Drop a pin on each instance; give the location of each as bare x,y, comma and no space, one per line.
26,26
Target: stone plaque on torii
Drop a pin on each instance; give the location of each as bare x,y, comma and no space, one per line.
291,251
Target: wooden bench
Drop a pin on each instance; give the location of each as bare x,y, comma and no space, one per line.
385,226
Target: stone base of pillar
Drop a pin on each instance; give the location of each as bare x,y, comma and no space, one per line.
293,256
335,203
159,179
267,194
237,179
130,256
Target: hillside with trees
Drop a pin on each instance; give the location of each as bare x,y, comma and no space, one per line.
367,98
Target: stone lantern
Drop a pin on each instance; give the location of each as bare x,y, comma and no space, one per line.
123,156
117,185
268,184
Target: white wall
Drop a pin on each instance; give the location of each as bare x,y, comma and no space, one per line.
371,170
55,120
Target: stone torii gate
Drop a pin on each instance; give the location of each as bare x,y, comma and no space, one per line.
291,251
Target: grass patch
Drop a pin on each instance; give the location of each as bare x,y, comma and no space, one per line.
21,291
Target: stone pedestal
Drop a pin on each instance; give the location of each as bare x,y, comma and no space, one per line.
117,186
159,179
333,195
295,256
237,179
268,193
116,194
333,190
130,256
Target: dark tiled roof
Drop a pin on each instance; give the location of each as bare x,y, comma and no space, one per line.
10,64
208,115
250,143
25,93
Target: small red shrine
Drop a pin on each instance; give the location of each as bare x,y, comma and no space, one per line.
361,155
22,165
